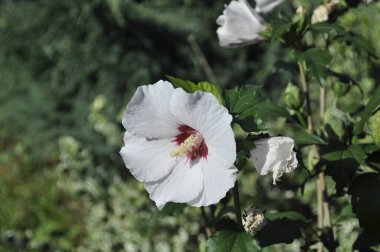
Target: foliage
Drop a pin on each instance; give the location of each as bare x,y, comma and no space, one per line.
68,68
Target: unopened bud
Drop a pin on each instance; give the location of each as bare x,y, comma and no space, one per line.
293,96
301,10
253,220
374,126
337,124
340,89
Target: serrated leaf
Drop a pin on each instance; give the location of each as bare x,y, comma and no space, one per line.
239,100
191,87
305,138
365,200
230,241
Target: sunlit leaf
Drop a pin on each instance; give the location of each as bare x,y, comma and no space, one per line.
305,138
191,87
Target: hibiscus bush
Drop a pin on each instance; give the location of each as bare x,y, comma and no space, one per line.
262,134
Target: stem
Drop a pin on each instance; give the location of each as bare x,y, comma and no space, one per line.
323,207
208,230
235,192
202,59
306,92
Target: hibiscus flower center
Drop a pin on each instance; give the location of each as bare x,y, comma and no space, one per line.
190,143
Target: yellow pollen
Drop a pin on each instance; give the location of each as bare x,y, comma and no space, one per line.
187,146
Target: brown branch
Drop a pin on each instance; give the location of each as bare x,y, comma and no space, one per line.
323,206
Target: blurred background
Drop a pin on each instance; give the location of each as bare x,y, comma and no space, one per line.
67,71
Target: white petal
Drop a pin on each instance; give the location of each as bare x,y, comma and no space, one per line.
320,14
272,154
218,179
240,25
148,112
148,160
264,6
202,112
182,185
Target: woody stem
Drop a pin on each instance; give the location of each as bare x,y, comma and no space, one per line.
235,192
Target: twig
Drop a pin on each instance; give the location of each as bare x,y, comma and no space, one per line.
208,230
323,207
202,59
235,192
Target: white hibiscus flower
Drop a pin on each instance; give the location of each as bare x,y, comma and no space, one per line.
274,154
180,145
239,25
265,6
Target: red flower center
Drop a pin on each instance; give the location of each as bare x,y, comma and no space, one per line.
190,143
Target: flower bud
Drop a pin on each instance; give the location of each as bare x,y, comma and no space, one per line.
374,123
253,220
293,96
337,124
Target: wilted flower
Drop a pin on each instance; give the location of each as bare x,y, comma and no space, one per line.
274,154
321,13
239,25
253,220
264,6
180,145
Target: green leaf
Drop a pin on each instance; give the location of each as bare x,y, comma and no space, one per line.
325,27
354,152
365,200
342,165
373,104
211,88
188,86
281,228
230,241
305,138
279,30
269,110
317,61
241,99
191,87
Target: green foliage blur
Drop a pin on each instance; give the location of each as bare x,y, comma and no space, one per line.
67,71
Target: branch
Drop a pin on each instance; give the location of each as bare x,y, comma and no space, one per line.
323,209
